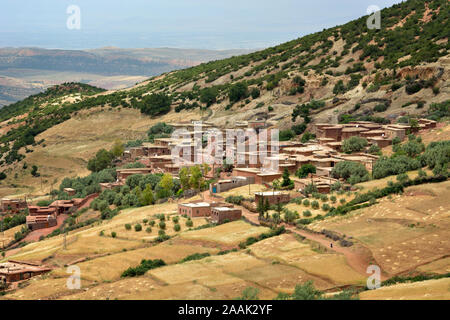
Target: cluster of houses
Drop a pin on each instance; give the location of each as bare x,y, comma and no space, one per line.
220,212
217,212
324,153
44,217
375,133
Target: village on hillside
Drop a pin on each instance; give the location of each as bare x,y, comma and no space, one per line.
263,163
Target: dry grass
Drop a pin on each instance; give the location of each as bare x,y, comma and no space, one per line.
439,266
403,232
425,290
69,145
7,236
229,234
381,183
243,191
110,267
44,288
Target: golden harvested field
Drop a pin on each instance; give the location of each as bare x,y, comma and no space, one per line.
43,287
404,232
7,236
243,191
424,290
110,267
381,183
329,267
439,266
229,234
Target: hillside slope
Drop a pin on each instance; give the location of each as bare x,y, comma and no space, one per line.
349,71
26,71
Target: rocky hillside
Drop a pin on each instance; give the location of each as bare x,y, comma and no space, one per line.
337,75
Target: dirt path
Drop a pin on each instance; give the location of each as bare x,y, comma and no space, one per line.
357,257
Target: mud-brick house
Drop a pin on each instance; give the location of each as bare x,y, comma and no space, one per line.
199,209
41,221
222,214
123,174
71,192
42,211
366,124
380,141
260,177
13,205
62,206
349,132
330,132
273,197
13,271
396,131
155,150
427,123
228,184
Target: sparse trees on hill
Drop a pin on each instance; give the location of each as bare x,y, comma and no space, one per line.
102,160
208,96
155,104
238,92
353,172
118,148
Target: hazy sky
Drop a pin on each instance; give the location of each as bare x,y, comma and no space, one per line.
207,24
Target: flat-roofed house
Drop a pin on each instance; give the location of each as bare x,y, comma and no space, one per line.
352,132
331,132
71,192
13,271
429,124
228,184
41,221
200,208
397,131
194,210
123,174
222,214
13,205
380,141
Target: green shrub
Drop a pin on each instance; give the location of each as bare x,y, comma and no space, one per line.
307,213
143,268
315,204
138,228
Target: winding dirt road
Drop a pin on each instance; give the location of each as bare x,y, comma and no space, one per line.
358,257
